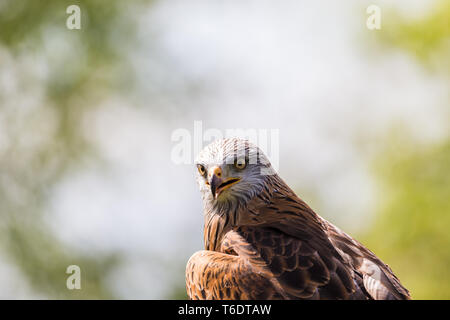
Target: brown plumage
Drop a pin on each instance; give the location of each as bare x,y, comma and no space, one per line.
263,242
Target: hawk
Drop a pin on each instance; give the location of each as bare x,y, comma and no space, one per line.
263,242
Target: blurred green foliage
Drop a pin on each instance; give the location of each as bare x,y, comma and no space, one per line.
412,224
45,142
427,37
411,229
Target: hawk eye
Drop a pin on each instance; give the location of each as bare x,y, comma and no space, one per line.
240,163
201,169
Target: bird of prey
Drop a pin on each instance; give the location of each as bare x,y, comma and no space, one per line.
263,242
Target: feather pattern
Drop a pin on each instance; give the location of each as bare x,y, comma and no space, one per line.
266,243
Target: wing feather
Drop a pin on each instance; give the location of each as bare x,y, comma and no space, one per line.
214,275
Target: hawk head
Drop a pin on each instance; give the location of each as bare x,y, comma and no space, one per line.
231,171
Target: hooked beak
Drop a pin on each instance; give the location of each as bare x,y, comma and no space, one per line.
217,183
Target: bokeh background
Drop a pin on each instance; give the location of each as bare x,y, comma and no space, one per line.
86,118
